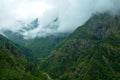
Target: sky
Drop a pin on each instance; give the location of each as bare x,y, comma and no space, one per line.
71,13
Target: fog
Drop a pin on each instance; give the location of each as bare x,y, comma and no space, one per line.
15,14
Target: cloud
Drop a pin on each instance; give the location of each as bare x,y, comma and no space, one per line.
71,13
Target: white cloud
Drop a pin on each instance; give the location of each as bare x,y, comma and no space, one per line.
32,9
71,13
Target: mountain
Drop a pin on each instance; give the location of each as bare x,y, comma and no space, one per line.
92,52
15,48
54,25
13,65
40,46
34,24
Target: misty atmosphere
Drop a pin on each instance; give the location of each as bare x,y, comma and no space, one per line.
59,40
70,14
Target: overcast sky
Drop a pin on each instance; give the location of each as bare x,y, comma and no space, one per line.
71,13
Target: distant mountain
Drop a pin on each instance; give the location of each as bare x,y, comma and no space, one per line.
14,65
41,46
92,52
18,36
15,48
54,25
34,24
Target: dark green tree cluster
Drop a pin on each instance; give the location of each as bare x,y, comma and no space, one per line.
14,65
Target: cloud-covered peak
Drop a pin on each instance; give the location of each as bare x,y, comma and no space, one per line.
16,14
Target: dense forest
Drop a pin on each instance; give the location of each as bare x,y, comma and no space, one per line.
91,52
15,62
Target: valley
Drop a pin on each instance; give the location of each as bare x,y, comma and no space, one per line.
91,52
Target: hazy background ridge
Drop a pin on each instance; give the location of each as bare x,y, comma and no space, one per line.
15,14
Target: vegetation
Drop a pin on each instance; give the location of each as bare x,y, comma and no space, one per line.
92,52
41,47
13,65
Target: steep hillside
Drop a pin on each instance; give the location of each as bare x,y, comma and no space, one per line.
13,65
92,52
15,48
41,46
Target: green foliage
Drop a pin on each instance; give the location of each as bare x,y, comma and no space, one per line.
92,52
41,47
14,66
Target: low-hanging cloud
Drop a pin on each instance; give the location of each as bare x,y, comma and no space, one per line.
70,14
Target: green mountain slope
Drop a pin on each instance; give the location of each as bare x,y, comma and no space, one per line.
41,47
15,48
13,65
92,52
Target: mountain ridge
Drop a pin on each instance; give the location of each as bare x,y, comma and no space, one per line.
91,52
13,63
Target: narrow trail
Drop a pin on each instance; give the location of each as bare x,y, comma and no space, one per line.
49,78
